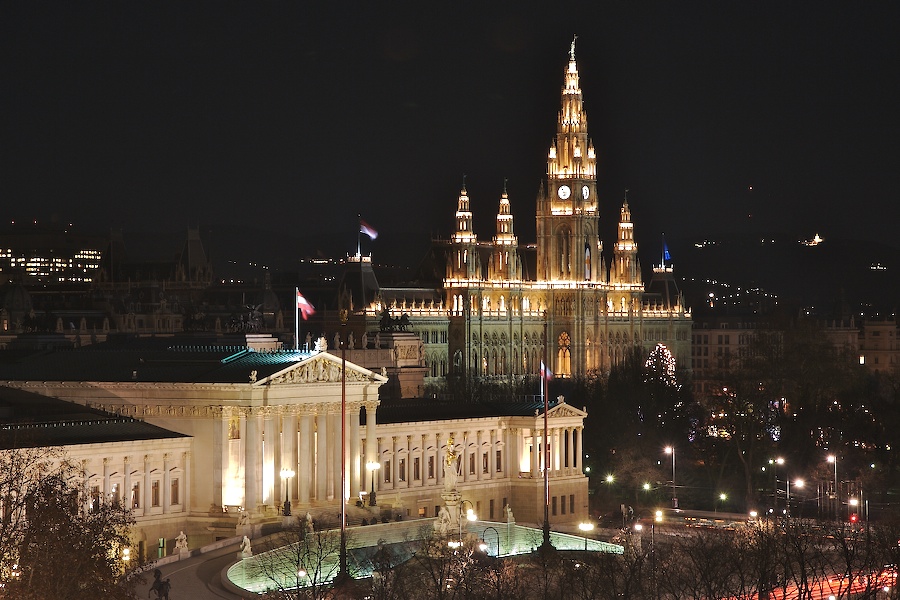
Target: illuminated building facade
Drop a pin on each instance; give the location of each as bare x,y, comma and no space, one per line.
50,257
498,312
229,418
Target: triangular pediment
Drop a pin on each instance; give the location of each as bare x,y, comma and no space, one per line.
321,368
565,410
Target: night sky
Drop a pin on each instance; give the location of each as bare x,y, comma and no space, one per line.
270,125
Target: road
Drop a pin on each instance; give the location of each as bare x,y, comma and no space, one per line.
198,577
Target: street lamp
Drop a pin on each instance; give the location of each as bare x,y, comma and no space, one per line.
671,450
722,498
833,459
286,475
470,515
497,533
775,462
373,467
586,527
799,484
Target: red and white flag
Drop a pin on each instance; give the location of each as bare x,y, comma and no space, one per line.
546,373
367,229
304,306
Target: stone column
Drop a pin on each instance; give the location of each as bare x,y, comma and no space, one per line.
464,457
305,455
289,451
555,451
394,463
355,464
107,490
536,458
126,484
186,467
570,450
579,447
270,472
252,463
146,494
222,421
334,454
166,485
371,442
513,453
423,468
438,461
479,456
321,453
492,453
379,475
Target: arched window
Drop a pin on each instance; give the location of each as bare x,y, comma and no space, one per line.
563,356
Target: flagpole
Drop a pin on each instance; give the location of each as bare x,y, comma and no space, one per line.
546,545
296,318
358,239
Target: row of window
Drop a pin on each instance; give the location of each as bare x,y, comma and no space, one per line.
135,497
416,466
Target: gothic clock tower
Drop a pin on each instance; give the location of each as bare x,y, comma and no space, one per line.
568,244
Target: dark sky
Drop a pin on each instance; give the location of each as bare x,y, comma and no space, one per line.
272,124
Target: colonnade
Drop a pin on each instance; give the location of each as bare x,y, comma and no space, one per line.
566,450
305,438
252,445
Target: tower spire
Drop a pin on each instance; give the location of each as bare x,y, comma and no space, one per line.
568,211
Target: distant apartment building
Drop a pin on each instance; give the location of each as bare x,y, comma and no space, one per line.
718,342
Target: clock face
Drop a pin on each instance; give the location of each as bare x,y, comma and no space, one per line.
585,192
563,192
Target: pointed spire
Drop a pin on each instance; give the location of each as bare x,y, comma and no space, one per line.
572,48
464,229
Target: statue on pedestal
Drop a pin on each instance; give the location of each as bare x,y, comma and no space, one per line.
246,551
442,525
181,542
451,473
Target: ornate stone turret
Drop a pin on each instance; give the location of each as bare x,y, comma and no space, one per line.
505,264
464,262
626,268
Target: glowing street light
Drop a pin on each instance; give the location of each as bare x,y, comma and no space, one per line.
721,498
671,450
373,467
833,459
470,515
286,475
586,527
799,484
775,462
